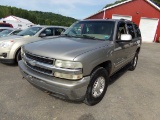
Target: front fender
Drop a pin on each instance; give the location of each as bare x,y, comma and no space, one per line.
93,58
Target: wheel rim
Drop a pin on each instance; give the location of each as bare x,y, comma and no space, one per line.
98,87
135,61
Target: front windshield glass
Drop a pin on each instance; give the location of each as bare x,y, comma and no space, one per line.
102,30
30,31
5,32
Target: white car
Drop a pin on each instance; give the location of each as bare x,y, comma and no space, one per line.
10,46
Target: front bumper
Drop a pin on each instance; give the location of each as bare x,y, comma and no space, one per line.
7,61
5,56
71,90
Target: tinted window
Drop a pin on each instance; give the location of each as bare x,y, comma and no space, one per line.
137,30
49,32
58,31
131,30
121,29
16,32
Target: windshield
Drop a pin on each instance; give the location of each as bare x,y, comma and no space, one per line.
5,32
102,30
30,31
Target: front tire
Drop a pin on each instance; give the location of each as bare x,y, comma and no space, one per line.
18,56
97,87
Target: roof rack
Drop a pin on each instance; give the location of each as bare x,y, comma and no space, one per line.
124,19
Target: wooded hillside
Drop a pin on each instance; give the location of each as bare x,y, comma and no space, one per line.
37,17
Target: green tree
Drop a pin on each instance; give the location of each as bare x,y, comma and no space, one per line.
37,17
157,2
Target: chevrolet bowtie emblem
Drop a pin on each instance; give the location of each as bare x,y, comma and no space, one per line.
32,62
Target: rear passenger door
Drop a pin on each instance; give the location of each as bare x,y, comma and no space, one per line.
52,32
132,44
138,34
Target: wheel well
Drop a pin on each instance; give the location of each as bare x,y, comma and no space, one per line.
107,65
17,52
138,50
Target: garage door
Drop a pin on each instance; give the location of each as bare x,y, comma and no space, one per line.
122,17
148,29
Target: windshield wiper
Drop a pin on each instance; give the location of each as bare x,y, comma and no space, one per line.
81,36
89,37
67,35
85,36
20,35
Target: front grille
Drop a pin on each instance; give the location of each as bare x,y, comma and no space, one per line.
39,69
39,59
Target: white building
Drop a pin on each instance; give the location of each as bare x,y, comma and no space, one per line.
17,22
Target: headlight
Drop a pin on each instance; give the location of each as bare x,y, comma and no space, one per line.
6,44
68,64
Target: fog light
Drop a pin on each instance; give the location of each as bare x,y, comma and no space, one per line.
4,55
68,76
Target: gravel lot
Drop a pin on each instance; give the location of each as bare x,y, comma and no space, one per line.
133,96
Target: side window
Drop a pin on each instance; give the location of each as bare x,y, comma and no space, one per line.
90,29
137,30
16,32
1,30
131,30
121,29
58,31
49,32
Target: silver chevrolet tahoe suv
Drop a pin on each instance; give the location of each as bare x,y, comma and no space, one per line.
10,46
77,66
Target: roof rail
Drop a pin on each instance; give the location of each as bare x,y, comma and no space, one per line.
124,19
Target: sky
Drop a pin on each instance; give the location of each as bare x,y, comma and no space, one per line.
78,9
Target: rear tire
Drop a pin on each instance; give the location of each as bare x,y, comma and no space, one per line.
133,63
97,87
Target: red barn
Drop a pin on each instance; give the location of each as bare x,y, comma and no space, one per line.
144,13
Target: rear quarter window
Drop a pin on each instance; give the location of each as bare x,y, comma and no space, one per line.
137,30
131,30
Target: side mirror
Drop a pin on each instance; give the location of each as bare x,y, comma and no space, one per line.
63,32
125,38
42,35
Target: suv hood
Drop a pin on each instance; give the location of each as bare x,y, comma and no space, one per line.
64,48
